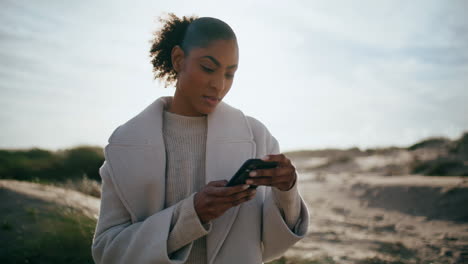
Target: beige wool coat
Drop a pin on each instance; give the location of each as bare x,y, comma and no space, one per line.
133,225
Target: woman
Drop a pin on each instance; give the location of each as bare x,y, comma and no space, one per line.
164,198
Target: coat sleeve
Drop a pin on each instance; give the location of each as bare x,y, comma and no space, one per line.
289,204
118,240
277,237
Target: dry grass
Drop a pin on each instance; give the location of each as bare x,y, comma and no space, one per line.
83,185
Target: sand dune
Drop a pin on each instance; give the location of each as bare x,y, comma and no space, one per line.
86,204
408,219
366,207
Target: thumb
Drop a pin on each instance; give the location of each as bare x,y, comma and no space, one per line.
221,183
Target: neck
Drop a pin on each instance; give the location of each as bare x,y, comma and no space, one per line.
181,106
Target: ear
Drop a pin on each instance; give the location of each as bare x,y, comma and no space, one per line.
177,56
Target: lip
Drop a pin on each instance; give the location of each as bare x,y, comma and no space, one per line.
211,100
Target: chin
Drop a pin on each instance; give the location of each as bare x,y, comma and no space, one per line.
205,110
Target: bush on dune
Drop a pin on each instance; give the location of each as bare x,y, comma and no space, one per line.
437,142
46,166
440,167
461,147
83,160
454,161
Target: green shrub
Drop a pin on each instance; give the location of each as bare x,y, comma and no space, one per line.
442,166
46,166
430,143
461,147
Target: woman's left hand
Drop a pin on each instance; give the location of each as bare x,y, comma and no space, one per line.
283,177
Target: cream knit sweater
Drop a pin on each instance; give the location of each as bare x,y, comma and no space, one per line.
185,142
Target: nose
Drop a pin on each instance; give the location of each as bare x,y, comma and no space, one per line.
218,83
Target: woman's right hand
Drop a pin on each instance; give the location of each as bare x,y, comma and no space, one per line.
215,199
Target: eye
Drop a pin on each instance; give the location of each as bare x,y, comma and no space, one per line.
207,69
229,76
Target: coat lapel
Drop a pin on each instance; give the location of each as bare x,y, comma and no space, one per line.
137,157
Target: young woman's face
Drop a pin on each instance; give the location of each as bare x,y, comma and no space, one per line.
205,77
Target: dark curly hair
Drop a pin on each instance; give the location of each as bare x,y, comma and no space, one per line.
188,33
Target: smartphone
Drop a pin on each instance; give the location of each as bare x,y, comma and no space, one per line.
249,165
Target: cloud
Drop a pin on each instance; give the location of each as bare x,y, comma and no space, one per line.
317,73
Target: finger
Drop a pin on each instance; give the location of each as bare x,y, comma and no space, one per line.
250,195
236,189
241,195
220,183
272,172
269,181
227,191
237,196
261,180
280,158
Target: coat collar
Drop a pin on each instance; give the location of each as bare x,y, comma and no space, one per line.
136,151
225,123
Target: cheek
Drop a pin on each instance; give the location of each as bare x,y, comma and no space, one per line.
228,87
195,80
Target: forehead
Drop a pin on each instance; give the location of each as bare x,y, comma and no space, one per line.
225,51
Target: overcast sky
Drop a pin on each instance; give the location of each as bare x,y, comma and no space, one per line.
316,73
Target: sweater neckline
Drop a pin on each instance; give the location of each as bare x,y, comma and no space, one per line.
182,117
184,125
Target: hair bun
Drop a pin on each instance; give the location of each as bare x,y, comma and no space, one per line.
171,34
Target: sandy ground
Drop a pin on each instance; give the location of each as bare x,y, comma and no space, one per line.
411,219
356,213
87,204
